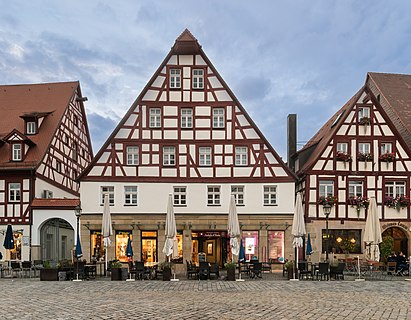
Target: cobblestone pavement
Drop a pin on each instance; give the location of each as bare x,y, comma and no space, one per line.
191,299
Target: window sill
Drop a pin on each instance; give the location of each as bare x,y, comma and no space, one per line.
130,205
213,205
270,205
180,205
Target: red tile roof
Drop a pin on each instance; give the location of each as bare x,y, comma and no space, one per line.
55,203
17,101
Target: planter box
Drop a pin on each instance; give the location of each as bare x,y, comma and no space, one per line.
49,275
231,274
119,274
166,274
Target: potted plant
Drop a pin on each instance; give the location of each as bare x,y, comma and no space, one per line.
365,121
331,200
230,267
289,266
398,203
363,156
388,157
343,156
359,203
386,247
48,272
118,273
165,266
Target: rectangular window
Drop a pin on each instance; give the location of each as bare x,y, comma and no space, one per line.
198,79
218,118
130,195
241,156
355,189
205,156
155,117
97,244
394,189
16,152
363,112
213,196
250,241
14,192
276,245
270,195
238,192
326,188
110,192
386,148
342,147
132,156
169,156
180,196
31,127
364,148
149,246
58,166
175,78
342,241
121,245
186,118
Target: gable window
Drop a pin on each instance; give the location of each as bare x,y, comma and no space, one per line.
16,152
14,192
205,156
386,148
364,148
270,195
342,147
238,192
31,127
132,156
58,166
326,188
186,118
198,79
175,78
130,195
213,196
355,189
109,190
75,150
241,156
155,117
169,156
364,115
180,196
394,189
218,118
75,120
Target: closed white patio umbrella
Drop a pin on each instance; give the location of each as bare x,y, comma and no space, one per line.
106,227
298,229
171,245
372,233
234,231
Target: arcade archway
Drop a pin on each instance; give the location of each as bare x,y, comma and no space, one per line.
56,240
400,239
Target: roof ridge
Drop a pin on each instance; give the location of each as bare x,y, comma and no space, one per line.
186,35
38,84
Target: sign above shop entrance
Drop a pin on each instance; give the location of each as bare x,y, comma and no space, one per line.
212,234
394,224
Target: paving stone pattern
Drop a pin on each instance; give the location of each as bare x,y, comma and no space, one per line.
215,299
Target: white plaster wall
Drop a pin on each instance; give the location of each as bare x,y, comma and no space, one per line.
57,193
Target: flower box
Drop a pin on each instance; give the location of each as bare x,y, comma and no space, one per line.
388,157
359,203
365,156
342,156
397,202
364,121
331,200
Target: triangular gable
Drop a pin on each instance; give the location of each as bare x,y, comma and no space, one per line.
16,135
216,92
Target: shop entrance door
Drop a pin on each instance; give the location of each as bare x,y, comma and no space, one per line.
400,239
210,244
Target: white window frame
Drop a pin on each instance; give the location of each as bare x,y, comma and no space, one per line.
394,188
31,127
355,188
218,118
109,190
270,195
132,154
238,192
130,195
14,192
186,118
386,147
180,196
155,117
342,147
364,147
326,188
17,151
213,196
241,156
175,78
169,156
363,112
58,166
204,154
198,78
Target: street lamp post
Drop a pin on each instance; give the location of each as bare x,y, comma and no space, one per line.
326,210
77,211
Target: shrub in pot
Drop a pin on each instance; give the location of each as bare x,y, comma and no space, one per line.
48,273
166,270
230,267
118,273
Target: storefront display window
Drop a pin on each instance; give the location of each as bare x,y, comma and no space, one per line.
149,246
276,245
342,241
250,241
121,245
97,245
15,253
179,247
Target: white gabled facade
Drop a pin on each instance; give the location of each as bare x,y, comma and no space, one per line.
187,134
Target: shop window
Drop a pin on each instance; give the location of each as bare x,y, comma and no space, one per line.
109,190
149,246
276,245
97,245
15,253
179,237
250,242
121,245
342,241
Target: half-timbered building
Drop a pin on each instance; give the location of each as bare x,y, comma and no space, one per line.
187,135
363,151
44,146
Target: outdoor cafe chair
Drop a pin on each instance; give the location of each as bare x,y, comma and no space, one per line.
305,270
26,266
338,271
16,268
256,270
214,270
191,270
323,271
203,271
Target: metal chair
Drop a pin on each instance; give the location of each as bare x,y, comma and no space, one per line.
305,270
214,269
191,270
26,266
256,270
16,268
323,270
203,271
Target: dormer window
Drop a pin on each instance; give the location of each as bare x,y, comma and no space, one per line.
31,127
16,149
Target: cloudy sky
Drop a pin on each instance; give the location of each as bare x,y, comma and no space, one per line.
304,57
